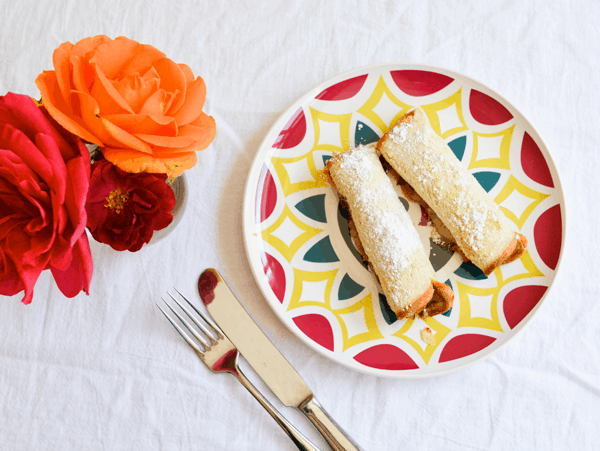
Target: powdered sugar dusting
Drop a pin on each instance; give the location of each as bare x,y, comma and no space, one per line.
469,214
385,225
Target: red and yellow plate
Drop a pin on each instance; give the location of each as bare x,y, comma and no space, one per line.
297,237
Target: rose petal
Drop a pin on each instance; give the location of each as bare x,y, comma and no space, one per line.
209,127
145,123
76,196
78,275
29,277
60,59
28,274
24,208
58,170
185,137
136,89
22,113
121,138
23,186
155,104
125,56
172,80
82,74
26,151
10,282
60,110
86,107
187,72
88,45
194,102
108,98
95,214
173,165
11,202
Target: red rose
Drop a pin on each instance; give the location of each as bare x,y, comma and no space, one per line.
44,178
125,209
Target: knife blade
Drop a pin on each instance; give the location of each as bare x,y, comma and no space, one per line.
272,367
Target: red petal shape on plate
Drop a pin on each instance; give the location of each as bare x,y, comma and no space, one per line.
487,110
343,90
465,345
266,195
317,328
424,217
419,82
520,301
547,233
293,132
533,162
386,357
275,274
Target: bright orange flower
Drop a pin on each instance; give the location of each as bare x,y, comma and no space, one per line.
141,107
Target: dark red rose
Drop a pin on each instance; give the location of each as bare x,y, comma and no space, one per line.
44,179
125,209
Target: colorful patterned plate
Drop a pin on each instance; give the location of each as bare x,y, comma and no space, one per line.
299,246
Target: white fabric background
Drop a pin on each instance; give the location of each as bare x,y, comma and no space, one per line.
106,372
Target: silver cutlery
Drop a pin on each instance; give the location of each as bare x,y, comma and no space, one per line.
221,356
266,360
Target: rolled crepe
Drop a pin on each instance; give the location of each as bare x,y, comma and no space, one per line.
386,233
424,160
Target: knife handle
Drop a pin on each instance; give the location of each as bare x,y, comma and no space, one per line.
337,439
299,440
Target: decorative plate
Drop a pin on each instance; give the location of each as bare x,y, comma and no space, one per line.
299,246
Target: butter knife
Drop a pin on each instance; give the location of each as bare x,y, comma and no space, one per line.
266,360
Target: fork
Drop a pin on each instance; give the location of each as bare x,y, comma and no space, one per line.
221,356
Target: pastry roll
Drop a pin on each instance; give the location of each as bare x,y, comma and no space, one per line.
386,233
424,160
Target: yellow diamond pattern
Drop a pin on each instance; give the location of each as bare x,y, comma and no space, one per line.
300,277
343,120
284,178
535,196
432,109
499,163
284,249
465,319
528,264
367,110
440,332
373,332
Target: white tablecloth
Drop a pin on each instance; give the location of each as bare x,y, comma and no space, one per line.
106,372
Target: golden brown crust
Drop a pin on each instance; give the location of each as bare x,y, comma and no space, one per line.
417,305
326,175
515,249
519,249
442,300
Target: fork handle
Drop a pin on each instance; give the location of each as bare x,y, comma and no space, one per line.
297,437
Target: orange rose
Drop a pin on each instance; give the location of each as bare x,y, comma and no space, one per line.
141,107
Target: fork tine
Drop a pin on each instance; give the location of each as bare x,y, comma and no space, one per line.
206,319
187,339
190,329
194,320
